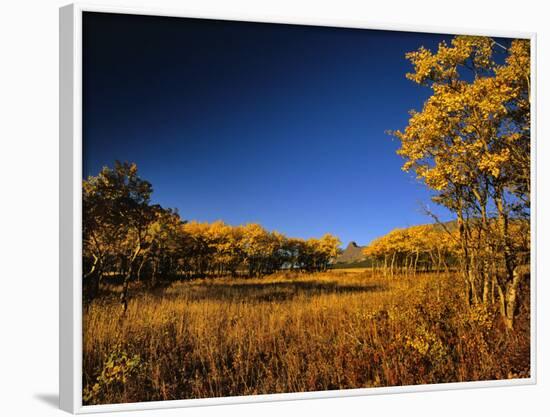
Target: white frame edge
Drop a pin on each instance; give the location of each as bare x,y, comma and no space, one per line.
70,212
68,226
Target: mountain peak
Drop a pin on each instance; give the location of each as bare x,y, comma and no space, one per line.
352,253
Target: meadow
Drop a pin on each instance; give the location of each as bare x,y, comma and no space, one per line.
295,332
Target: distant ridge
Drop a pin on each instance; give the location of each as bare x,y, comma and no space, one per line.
352,253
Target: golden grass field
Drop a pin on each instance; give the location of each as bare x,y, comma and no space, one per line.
292,333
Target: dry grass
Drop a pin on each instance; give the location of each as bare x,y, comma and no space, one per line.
358,270
290,333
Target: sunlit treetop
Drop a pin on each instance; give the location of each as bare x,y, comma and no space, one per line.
476,122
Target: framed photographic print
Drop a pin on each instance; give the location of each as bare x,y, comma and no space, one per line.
276,209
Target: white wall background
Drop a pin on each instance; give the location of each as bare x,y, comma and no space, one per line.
29,202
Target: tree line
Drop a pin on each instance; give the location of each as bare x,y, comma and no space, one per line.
434,248
470,145
425,248
128,238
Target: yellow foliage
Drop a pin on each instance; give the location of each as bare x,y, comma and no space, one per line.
468,128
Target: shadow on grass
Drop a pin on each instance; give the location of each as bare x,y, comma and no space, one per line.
255,291
269,291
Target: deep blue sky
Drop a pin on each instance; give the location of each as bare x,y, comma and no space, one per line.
246,122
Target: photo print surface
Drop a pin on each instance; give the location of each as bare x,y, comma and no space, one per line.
274,208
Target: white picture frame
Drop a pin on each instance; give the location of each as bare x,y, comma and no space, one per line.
70,153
